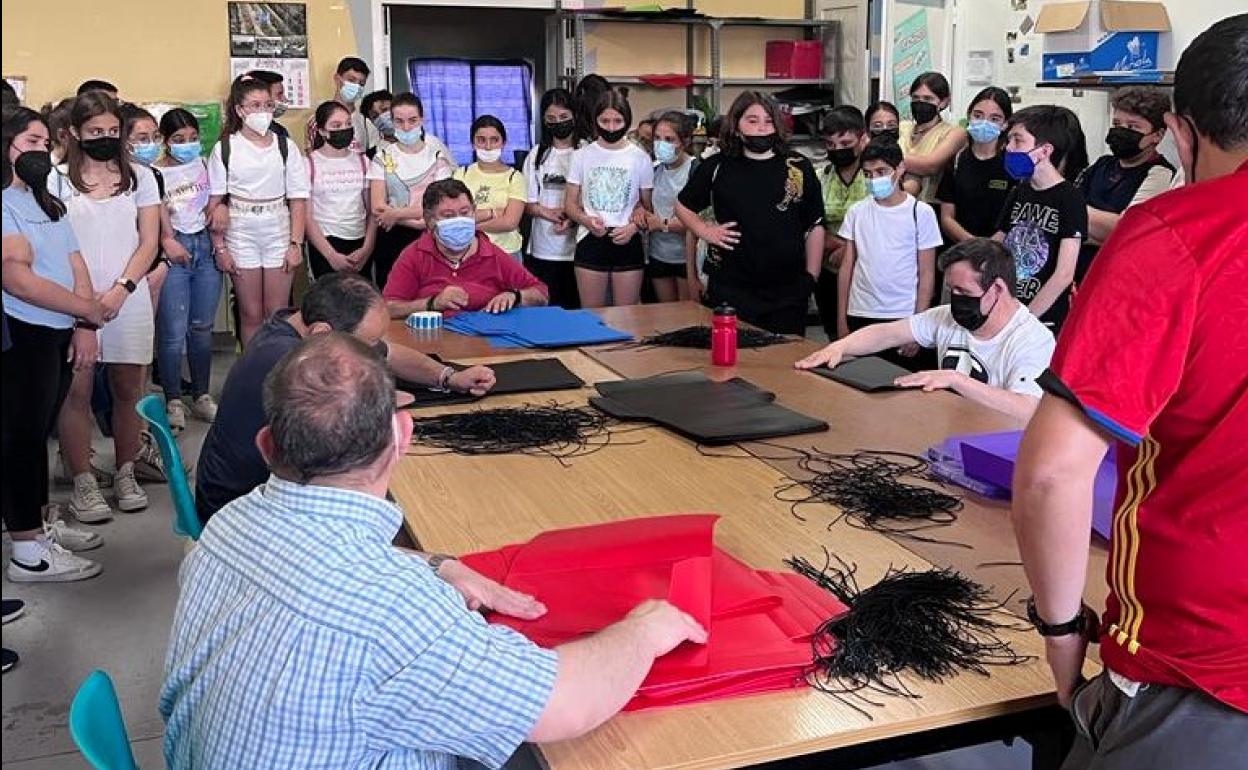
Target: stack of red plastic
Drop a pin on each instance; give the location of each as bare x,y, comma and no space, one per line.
760,623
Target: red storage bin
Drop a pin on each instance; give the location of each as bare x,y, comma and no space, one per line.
792,59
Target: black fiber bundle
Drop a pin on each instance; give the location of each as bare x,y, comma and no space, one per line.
870,489
933,624
700,337
554,430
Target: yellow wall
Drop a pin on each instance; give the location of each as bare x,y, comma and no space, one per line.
153,50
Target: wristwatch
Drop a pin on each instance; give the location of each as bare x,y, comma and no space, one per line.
519,299
1081,623
435,560
126,284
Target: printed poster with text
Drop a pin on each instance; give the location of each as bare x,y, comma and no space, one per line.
912,56
272,36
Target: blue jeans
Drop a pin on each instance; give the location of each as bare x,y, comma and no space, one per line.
188,309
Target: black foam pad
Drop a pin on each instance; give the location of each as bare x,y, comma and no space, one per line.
701,409
525,375
869,373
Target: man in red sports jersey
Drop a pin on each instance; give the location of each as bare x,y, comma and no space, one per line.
1154,359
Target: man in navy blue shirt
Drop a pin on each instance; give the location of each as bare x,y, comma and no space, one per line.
230,465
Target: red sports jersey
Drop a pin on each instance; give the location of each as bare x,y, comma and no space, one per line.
1156,352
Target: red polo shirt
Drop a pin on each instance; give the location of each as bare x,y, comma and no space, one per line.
422,272
1156,352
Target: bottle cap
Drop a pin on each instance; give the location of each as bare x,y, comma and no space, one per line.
725,309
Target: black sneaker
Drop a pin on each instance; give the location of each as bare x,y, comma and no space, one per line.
13,609
8,659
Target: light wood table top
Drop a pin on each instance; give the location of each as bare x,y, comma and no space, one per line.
461,504
905,421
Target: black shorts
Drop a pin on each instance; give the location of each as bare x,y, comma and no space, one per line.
603,256
657,269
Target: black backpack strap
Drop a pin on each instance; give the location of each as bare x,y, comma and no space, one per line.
225,154
283,147
160,181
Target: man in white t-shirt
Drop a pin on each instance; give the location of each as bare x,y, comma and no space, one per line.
989,346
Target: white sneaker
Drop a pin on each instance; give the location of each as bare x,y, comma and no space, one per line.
176,411
57,566
204,408
130,496
87,503
62,475
70,538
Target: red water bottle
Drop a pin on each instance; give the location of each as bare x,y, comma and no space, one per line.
724,337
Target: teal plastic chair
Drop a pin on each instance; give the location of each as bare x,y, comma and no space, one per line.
185,521
97,726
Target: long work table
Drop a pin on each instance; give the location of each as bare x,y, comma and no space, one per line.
461,504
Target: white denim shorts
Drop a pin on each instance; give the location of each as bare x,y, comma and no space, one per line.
258,235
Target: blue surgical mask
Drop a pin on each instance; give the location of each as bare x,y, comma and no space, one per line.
881,187
146,153
665,151
185,152
456,233
384,123
983,131
350,91
411,136
1019,165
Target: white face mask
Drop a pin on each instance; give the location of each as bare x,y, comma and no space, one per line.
489,156
259,122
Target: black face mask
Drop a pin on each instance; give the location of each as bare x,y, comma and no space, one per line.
33,168
1124,142
613,136
563,129
843,157
967,313
340,138
923,112
759,144
102,148
895,133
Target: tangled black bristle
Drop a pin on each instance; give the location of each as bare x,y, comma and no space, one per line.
699,337
553,430
933,624
870,489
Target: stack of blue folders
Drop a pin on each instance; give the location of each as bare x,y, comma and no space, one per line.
536,327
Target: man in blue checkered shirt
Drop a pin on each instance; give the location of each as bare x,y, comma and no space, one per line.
304,639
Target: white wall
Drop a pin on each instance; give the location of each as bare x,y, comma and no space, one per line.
1188,18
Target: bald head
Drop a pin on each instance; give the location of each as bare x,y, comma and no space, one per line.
330,408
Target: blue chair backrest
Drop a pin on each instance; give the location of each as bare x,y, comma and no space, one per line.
96,723
185,521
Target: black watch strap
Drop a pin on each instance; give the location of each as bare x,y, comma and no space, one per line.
519,298
436,559
1079,624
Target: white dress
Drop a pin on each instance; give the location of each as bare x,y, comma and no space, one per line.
108,235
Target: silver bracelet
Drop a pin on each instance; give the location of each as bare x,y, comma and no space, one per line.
444,379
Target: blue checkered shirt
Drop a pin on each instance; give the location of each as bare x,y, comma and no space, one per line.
304,639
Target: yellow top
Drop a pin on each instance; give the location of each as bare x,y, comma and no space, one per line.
494,191
928,144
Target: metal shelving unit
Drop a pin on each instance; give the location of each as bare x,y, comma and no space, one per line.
572,28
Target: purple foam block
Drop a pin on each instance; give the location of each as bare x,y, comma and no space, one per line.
990,458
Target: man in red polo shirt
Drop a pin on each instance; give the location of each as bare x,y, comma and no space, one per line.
454,267
1154,359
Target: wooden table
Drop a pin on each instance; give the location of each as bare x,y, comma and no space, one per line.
460,504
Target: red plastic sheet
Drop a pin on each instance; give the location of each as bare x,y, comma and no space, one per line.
760,623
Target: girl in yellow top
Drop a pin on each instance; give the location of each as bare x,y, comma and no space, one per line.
928,142
497,189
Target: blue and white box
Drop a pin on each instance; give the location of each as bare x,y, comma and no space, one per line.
1101,37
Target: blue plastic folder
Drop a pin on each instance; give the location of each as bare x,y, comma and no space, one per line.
537,327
